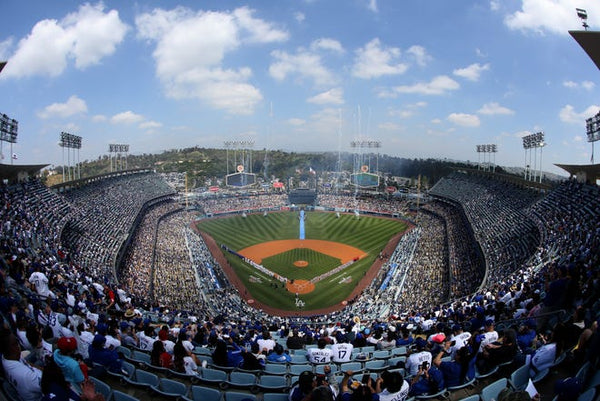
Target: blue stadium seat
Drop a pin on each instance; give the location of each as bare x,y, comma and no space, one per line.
213,376
272,383
201,393
142,379
170,388
297,369
519,378
240,380
491,391
275,369
120,396
238,396
102,387
275,397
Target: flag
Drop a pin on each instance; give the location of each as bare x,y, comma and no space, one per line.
310,170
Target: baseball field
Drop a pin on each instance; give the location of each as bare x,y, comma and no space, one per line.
284,272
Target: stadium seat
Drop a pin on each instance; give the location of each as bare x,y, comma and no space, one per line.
201,393
141,359
474,397
467,385
381,354
587,395
273,383
213,376
240,380
377,365
519,378
300,352
440,394
353,366
298,359
275,397
142,379
123,350
101,387
193,378
481,376
127,370
491,391
275,369
237,396
170,388
297,369
583,372
202,351
120,396
393,361
398,351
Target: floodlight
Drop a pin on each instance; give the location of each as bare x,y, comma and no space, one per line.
581,13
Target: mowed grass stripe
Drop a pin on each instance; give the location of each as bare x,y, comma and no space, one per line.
369,234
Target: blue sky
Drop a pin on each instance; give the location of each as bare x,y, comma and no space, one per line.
425,78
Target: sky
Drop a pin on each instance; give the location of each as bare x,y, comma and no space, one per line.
423,78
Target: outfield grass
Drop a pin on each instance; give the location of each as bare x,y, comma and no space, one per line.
368,234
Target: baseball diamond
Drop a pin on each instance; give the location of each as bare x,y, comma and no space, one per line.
268,263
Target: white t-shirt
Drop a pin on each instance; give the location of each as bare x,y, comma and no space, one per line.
415,360
316,355
25,379
40,281
399,395
341,352
146,342
268,344
488,338
190,366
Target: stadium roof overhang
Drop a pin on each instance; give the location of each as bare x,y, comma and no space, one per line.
14,173
584,172
590,42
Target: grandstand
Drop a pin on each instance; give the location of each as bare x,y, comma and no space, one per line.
120,251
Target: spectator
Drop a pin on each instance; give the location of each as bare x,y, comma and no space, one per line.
25,379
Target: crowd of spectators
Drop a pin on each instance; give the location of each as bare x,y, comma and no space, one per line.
56,307
496,212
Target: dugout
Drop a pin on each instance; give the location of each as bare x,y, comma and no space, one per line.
302,196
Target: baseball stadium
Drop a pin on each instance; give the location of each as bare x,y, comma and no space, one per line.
331,284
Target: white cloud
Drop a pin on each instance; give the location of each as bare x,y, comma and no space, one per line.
494,108
472,72
552,16
420,55
303,64
86,36
578,138
332,96
437,86
389,126
190,50
127,117
587,85
464,120
257,30
372,6
374,61
99,118
150,125
5,46
299,17
327,44
568,114
71,107
494,5
408,110
297,122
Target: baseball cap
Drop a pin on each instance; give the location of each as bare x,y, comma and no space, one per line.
99,339
438,338
420,343
66,344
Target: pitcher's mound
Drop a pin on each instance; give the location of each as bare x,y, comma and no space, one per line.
301,263
300,287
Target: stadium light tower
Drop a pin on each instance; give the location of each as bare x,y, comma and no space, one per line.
70,141
592,127
9,128
581,13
